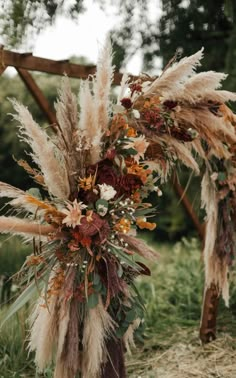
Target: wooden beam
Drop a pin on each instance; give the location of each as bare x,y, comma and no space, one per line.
33,63
188,207
2,69
38,95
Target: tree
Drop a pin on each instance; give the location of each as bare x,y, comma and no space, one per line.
189,25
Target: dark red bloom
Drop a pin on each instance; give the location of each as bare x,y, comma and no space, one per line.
126,102
170,104
128,184
106,173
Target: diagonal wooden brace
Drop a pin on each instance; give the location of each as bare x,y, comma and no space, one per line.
38,95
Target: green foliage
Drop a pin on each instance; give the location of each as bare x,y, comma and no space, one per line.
174,293
12,254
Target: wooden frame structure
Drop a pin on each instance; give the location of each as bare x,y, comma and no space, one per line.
25,62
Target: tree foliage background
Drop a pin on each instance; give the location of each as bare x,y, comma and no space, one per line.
157,29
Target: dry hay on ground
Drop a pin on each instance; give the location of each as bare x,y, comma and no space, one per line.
188,360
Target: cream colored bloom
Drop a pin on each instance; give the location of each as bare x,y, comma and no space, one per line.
73,213
107,192
139,144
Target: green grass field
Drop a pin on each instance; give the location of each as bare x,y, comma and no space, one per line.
167,343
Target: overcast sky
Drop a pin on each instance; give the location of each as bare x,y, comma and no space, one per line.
84,37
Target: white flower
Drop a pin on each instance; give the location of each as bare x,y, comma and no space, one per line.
73,213
107,192
136,113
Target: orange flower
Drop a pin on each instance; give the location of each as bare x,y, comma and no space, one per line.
86,183
123,225
136,197
138,170
131,132
143,224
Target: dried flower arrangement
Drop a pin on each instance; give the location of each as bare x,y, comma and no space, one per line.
98,171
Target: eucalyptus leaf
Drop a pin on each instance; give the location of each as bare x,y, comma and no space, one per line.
92,300
24,297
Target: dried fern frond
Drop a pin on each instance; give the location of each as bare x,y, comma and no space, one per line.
31,171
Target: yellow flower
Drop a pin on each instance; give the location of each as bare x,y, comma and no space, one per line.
86,183
123,225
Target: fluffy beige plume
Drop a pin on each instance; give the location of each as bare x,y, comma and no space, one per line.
173,78
218,96
53,170
102,85
17,226
9,191
211,128
67,112
67,117
194,89
123,87
128,337
216,269
182,152
44,331
98,326
64,314
140,247
89,121
23,199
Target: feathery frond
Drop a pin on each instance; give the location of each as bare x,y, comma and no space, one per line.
174,77
44,153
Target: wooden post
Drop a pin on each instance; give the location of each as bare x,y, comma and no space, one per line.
209,314
2,69
38,95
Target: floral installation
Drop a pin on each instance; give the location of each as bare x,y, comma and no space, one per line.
97,172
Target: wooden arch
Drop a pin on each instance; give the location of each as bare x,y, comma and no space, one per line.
25,62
